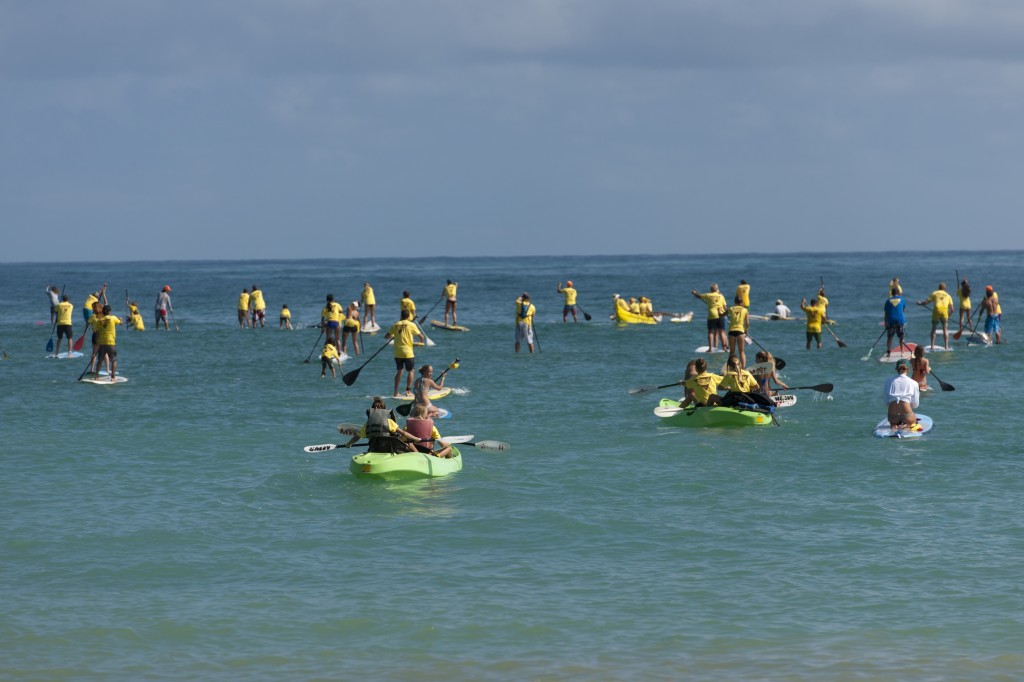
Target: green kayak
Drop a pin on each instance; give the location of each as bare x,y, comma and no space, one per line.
672,415
405,465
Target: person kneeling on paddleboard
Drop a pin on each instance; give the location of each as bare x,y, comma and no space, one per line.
902,395
426,434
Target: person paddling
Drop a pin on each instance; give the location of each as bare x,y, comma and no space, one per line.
425,434
902,395
940,312
570,301
920,367
422,387
895,318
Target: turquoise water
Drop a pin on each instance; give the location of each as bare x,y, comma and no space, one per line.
173,528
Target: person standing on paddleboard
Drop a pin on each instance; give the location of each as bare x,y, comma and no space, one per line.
330,320
449,293
369,305
408,305
101,296
743,292
716,317
258,305
815,316
902,395
570,301
351,327
993,314
106,341
285,319
327,358
53,293
739,325
941,311
64,328
895,317
403,332
163,307
243,309
963,293
525,312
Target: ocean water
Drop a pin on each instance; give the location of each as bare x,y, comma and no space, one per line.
172,528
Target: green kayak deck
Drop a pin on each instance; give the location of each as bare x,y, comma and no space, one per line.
671,415
405,465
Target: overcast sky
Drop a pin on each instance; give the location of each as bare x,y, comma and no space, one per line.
151,130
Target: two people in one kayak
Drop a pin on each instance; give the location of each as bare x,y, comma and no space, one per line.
385,435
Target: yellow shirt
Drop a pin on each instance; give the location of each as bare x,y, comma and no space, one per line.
738,318
634,307
90,299
256,299
332,312
815,314
449,290
64,309
743,291
330,352
137,322
942,301
368,297
965,301
407,304
999,308
403,332
525,312
703,386
716,304
744,382
822,301
570,295
243,301
106,332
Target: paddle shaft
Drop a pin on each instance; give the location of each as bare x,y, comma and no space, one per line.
427,314
646,389
350,377
829,330
874,344
313,349
779,362
942,384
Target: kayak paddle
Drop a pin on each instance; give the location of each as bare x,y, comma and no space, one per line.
458,440
821,388
648,389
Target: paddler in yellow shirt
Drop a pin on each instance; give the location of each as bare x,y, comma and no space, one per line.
258,305
408,305
634,305
570,301
64,327
449,293
704,385
403,332
739,324
716,316
350,327
743,292
330,320
823,304
135,317
101,296
243,309
738,379
327,357
815,314
525,312
285,318
106,340
941,312
369,305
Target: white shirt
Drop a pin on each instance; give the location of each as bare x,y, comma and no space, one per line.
782,310
902,389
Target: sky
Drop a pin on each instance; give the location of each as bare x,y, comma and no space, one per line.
250,129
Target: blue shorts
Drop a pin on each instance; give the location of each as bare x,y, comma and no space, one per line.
333,324
568,309
992,324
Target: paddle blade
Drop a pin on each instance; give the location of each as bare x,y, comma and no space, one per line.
404,409
49,345
821,388
642,389
322,448
780,363
587,317
350,377
490,445
80,342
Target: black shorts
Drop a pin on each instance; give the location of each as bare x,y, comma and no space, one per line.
64,330
736,333
895,330
104,351
717,323
405,363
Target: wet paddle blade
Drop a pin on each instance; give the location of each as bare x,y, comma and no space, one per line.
49,345
80,342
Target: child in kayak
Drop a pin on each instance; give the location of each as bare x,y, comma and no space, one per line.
421,426
766,377
738,379
704,384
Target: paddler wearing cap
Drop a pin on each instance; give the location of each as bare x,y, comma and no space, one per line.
902,395
525,312
993,314
163,306
570,301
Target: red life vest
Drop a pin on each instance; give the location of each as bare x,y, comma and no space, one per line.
422,429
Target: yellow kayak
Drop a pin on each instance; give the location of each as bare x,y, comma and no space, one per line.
626,317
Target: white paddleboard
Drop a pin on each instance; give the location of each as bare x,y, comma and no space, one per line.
688,317
370,328
938,349
787,400
105,381
884,430
64,356
707,349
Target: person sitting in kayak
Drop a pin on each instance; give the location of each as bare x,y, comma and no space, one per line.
382,431
738,379
421,390
902,395
765,377
691,371
422,428
704,385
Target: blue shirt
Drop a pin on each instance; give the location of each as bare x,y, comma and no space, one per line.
894,308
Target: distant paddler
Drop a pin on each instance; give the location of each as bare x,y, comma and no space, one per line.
350,327
106,340
570,301
963,293
64,327
408,305
135,317
781,311
525,312
993,314
815,316
330,320
285,318
743,292
53,293
163,307
243,309
369,305
327,357
943,308
403,332
450,296
895,318
101,296
646,306
258,305
739,324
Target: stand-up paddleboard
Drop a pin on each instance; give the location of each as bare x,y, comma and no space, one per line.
688,317
64,356
105,381
787,400
432,394
923,426
774,316
938,349
449,327
904,353
370,328
978,339
391,342
707,349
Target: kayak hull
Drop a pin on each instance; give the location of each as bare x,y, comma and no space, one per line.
626,317
713,416
884,430
405,465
